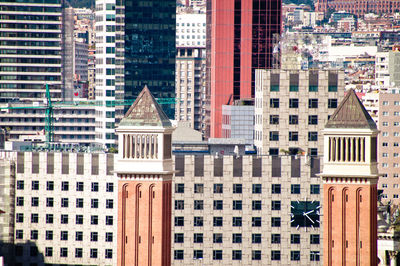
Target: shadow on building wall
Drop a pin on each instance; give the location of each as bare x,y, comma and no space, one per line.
21,254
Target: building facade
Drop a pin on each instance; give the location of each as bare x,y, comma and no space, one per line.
292,107
31,46
238,121
358,8
240,37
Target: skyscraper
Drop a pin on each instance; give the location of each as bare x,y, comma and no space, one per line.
239,40
31,49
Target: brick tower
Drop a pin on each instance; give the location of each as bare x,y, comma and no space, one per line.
144,170
350,177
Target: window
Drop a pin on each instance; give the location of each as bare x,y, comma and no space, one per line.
256,205
94,203
312,103
180,188
20,201
49,202
274,103
179,221
50,185
95,187
275,238
49,235
217,254
385,134
217,221
256,221
78,252
79,186
314,239
257,188
94,219
256,238
49,218
34,218
385,103
198,221
218,188
313,120
314,189
294,255
276,205
273,151
236,221
108,253
94,236
313,136
237,188
293,136
385,124
275,221
79,203
78,236
179,204
79,219
218,205
49,252
64,218
276,188
198,188
274,135
217,238
64,252
19,218
198,204
109,204
20,184
109,220
19,234
64,202
314,255
64,186
293,119
294,239
236,254
197,254
178,238
295,188
110,187
93,252
64,235
198,238
274,119
293,103
35,185
256,254
332,103
109,237
275,255
178,254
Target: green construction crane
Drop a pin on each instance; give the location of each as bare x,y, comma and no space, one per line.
49,118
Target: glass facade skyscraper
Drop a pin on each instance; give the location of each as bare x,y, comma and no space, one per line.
150,49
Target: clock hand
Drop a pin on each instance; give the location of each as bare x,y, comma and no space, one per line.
309,218
308,212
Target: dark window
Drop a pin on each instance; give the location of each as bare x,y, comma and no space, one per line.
179,204
314,189
294,239
19,234
50,185
217,238
274,135
197,254
64,186
94,236
34,218
295,188
198,238
19,218
256,238
313,136
236,255
237,205
217,221
332,103
64,235
237,166
109,237
256,205
313,119
178,254
109,204
256,254
218,166
275,255
293,136
236,238
20,184
295,255
49,235
198,221
217,254
276,167
237,188
257,167
110,187
78,252
79,203
275,238
314,239
79,186
20,201
95,187
257,188
199,165
94,203
180,188
78,236
178,238
64,202
94,219
93,252
49,202
218,188
276,205
236,221
293,119
294,103
108,253
198,204
275,221
35,185
314,255
274,103
276,188
109,220
49,252
198,188
179,221
218,205
256,221
274,151
79,219
34,234
64,218
274,119
312,103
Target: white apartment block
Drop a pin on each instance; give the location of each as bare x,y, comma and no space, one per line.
65,209
191,30
238,121
382,77
109,67
292,108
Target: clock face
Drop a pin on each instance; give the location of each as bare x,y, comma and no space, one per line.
304,214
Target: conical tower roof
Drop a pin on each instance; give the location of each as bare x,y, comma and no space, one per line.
145,111
351,114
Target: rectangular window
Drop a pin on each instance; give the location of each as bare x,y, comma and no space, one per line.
179,221
64,252
109,204
314,189
79,203
294,239
237,221
274,136
237,188
218,205
294,255
197,254
95,186
256,221
180,188
178,238
49,235
64,219
179,204
293,136
217,238
64,186
49,202
314,239
198,188
256,205
110,187
314,255
256,188
79,186
198,221
109,237
35,185
293,119
109,220
295,188
34,218
217,221
313,136
64,202
256,238
274,103
78,252
313,119
93,253
218,188
49,252
34,234
237,238
197,238
275,238
20,184
274,119
276,205
236,255
332,103
79,219
275,221
275,255
294,103
276,189
217,254
198,205
79,236
178,254
94,236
